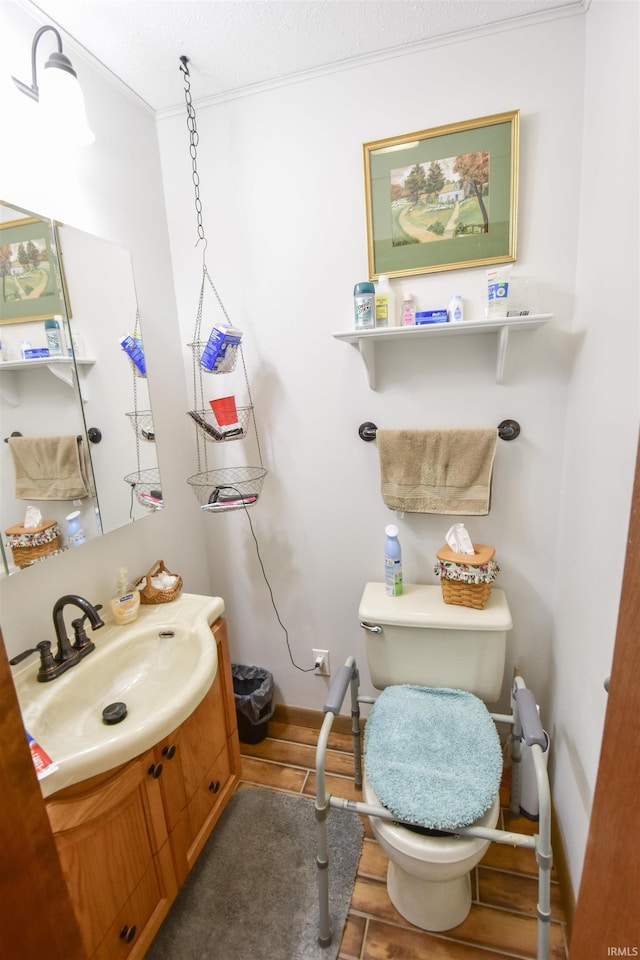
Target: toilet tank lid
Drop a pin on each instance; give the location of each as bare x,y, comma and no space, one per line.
421,605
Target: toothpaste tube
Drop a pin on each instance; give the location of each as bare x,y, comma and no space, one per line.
42,762
35,353
431,316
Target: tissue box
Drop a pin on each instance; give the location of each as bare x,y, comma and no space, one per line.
28,544
467,578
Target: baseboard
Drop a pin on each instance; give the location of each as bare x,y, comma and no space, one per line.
303,717
563,873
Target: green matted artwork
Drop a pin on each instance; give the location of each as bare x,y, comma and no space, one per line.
29,282
443,199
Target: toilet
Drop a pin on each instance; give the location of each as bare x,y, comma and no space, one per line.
417,641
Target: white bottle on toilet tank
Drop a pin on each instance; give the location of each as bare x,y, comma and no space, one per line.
392,562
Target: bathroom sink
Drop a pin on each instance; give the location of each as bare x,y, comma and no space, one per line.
160,667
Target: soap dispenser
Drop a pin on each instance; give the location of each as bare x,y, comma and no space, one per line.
126,601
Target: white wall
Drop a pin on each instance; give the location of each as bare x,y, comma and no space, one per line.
113,190
282,188
602,420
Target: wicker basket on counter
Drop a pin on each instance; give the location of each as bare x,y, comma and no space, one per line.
150,594
467,579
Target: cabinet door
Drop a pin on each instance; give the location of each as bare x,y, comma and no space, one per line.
107,835
202,737
141,917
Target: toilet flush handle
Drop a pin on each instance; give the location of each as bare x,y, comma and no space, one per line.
370,627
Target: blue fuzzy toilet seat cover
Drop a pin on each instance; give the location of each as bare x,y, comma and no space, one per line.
432,756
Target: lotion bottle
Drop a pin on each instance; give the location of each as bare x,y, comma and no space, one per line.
126,601
385,303
408,310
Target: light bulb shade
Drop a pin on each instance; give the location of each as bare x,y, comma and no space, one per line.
62,100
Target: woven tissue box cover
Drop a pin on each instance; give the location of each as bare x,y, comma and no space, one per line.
479,567
30,543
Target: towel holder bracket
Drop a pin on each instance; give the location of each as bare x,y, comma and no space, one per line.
507,430
367,431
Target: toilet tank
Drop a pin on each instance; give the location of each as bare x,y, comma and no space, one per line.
418,638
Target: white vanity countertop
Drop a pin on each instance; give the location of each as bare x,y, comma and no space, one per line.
161,666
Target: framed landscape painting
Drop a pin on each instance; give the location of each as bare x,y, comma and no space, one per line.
443,199
29,282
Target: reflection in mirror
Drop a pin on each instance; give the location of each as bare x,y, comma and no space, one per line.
86,400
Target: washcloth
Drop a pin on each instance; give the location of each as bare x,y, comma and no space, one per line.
51,468
437,471
432,756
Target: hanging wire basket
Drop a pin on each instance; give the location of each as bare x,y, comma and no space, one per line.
213,432
142,424
146,486
229,488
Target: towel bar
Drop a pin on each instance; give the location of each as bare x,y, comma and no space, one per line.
93,433
507,430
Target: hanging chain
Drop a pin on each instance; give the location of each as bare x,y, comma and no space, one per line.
193,144
198,392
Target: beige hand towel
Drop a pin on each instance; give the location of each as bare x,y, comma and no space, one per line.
51,468
437,471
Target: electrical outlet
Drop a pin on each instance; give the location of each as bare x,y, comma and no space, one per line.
321,666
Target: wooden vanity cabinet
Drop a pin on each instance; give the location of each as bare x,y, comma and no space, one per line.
201,764
127,839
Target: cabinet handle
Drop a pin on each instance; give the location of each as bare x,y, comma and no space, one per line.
214,786
155,770
169,752
128,933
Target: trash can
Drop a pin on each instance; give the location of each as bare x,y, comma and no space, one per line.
253,692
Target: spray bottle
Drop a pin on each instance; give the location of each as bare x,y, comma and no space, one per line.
392,562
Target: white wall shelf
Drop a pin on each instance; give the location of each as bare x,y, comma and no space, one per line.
60,367
368,341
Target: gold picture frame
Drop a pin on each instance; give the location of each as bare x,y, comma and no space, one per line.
443,199
29,277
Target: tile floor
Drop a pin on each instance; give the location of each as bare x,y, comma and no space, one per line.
502,921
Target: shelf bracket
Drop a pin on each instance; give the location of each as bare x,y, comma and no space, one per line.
503,340
8,388
68,375
368,353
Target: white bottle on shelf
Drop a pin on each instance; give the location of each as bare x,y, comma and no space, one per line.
455,310
385,303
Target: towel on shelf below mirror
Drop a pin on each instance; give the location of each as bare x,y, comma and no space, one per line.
51,468
437,471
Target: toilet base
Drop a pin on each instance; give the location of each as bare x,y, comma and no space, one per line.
430,905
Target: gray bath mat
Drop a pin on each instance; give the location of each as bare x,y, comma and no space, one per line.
253,892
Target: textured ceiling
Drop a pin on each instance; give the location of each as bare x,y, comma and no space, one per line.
235,44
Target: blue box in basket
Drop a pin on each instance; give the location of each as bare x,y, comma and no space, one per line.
219,355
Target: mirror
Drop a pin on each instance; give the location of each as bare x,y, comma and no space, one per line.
87,392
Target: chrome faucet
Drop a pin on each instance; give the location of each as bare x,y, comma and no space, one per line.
68,654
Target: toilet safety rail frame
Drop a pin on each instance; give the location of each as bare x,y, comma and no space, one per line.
526,725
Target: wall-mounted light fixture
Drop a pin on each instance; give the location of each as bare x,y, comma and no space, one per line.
60,95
